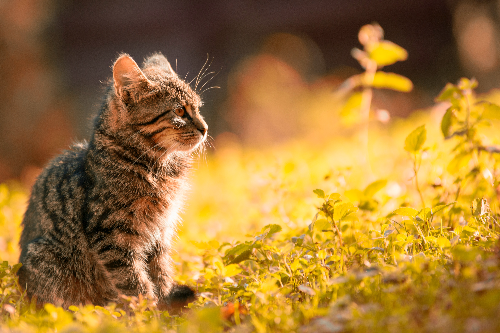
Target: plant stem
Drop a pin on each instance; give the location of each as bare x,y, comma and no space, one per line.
366,101
339,233
415,170
467,113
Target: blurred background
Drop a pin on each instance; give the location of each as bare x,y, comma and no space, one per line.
277,63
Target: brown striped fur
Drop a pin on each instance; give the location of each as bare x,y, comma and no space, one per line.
102,215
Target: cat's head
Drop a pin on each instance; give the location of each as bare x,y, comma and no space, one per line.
153,108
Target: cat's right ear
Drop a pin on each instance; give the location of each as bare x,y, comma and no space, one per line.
128,78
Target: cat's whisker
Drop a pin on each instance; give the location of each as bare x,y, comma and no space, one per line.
198,75
209,140
203,152
213,87
211,75
214,74
202,72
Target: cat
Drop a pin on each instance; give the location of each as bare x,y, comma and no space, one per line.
102,215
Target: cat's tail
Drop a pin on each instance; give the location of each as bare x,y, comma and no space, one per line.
179,297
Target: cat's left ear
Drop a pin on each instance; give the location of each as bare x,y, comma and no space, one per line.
128,77
159,61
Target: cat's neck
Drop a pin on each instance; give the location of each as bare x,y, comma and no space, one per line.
128,169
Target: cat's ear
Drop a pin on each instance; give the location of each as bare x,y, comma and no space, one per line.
127,76
159,61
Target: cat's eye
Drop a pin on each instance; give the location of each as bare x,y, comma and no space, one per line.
179,111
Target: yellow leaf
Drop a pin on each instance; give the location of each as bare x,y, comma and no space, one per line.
349,114
231,270
73,308
386,53
295,265
392,81
443,242
416,139
406,211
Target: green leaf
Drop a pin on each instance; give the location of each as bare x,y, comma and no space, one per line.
342,210
480,207
239,253
374,187
268,231
439,208
273,228
465,84
416,139
242,257
446,122
448,93
298,240
320,193
386,53
424,214
322,224
15,268
392,81
238,249
406,211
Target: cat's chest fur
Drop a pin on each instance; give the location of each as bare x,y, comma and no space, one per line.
140,212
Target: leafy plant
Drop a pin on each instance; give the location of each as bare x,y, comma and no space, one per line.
376,54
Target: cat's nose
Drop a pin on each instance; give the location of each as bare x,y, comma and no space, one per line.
202,126
203,130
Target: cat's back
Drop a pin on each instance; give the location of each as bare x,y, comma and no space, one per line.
57,197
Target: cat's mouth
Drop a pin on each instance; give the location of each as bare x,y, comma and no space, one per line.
189,141
183,142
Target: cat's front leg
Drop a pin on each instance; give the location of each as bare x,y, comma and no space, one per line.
171,296
128,272
160,272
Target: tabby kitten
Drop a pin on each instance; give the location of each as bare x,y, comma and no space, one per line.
102,215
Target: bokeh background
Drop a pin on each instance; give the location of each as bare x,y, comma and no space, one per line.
277,63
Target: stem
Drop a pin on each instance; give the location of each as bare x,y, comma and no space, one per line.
450,214
467,113
415,170
339,233
366,101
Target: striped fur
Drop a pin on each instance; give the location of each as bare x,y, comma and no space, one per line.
102,215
